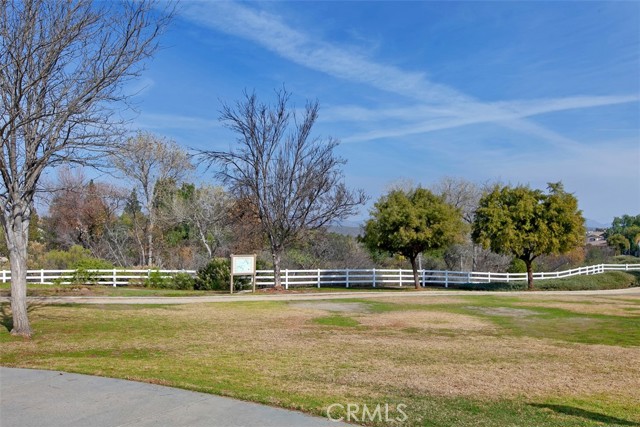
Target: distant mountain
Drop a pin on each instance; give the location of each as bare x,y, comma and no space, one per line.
592,224
347,228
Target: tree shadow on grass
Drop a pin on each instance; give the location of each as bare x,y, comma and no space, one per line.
588,415
6,319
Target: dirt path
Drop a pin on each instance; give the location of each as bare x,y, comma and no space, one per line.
305,296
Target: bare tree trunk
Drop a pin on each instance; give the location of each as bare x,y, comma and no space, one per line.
414,267
277,257
150,255
17,237
474,257
529,264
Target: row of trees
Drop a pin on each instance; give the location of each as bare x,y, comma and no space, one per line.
515,221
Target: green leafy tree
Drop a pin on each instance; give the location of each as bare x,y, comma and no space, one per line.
528,223
619,242
627,226
410,222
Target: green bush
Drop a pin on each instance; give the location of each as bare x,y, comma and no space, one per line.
75,257
626,259
183,281
157,280
518,266
84,277
214,276
93,264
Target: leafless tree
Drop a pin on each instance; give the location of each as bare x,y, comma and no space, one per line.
206,211
464,195
294,179
63,65
147,160
460,193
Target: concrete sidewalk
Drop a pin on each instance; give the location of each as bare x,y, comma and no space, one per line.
34,398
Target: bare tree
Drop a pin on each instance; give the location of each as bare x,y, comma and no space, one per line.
206,211
464,195
147,160
461,194
62,69
294,179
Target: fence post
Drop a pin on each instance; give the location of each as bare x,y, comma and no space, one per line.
286,279
41,276
468,277
374,277
489,278
446,278
114,278
318,278
423,278
347,278
4,276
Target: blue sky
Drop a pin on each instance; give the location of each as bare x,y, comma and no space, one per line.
522,92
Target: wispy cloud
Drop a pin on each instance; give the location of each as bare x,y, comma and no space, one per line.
440,106
174,121
140,86
431,118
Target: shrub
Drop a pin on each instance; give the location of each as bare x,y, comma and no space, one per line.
75,257
84,277
93,264
183,281
157,280
626,259
214,276
517,266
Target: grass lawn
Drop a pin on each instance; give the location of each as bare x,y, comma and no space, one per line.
42,290
543,360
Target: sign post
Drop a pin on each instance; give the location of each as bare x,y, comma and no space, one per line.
243,265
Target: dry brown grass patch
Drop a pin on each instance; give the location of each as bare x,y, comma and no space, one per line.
422,319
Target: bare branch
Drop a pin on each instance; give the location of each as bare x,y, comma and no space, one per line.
63,70
294,180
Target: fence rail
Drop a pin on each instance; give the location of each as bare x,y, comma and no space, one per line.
113,277
317,278
399,277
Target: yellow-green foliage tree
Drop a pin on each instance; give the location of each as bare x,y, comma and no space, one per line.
528,223
619,242
411,222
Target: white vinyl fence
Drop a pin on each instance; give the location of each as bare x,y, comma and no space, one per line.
398,277
112,277
317,278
